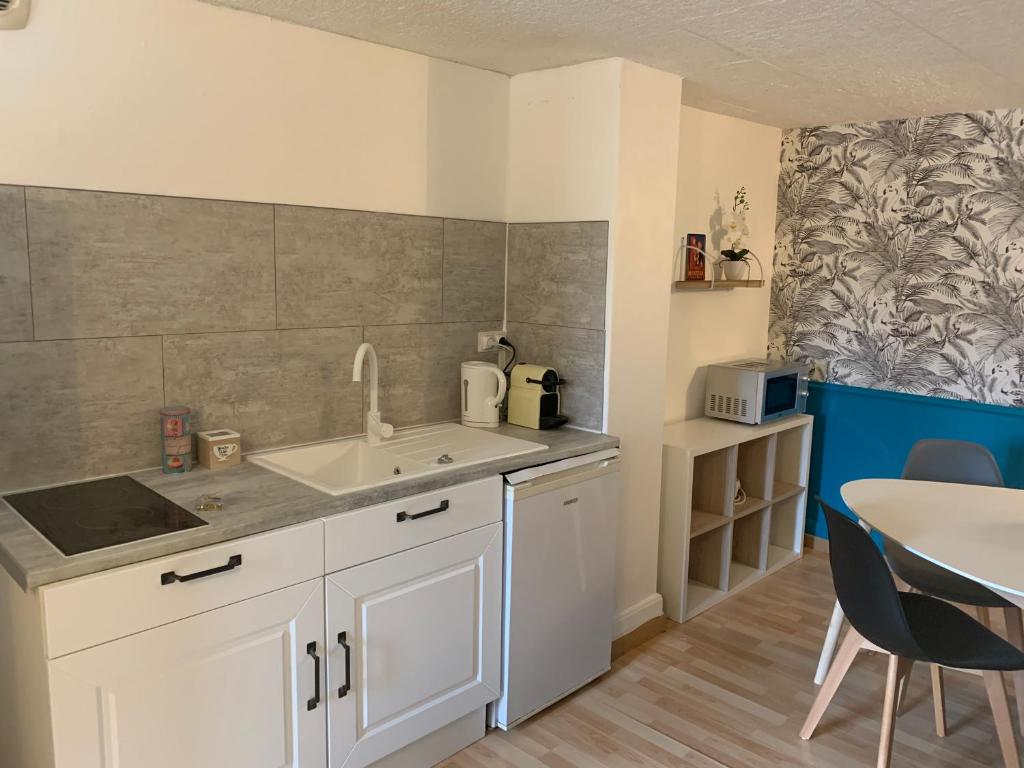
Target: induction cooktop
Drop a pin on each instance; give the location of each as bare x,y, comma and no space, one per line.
82,517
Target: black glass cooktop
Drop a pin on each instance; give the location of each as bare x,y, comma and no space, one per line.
82,517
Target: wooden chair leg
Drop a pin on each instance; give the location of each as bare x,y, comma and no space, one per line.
996,689
848,651
899,668
902,689
939,700
828,648
1015,634
984,616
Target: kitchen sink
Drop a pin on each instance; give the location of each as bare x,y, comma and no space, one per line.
341,466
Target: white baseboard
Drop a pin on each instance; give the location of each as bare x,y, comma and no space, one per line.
638,614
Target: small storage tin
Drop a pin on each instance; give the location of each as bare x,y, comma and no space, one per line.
174,464
176,432
219,448
176,421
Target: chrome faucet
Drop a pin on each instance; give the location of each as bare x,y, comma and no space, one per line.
375,428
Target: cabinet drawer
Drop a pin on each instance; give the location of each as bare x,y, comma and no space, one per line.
366,534
95,609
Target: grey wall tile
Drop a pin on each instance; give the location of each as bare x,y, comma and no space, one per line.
275,387
578,356
107,264
419,369
557,273
75,409
474,271
356,268
15,296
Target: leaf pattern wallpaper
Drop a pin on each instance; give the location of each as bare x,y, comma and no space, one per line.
899,255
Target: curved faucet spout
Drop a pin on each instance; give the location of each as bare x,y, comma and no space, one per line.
375,428
357,370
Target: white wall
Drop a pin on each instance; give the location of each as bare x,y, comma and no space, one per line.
719,154
184,98
564,143
639,276
598,141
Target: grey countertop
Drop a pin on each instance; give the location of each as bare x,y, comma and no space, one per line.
255,500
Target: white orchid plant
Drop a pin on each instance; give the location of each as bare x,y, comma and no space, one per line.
736,227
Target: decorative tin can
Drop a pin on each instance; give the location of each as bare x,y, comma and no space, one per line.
176,421
176,464
176,431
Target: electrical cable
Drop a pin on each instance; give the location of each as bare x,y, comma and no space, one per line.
506,344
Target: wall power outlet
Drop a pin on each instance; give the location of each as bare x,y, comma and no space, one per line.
488,340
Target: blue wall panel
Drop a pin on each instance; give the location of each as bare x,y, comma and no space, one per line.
868,433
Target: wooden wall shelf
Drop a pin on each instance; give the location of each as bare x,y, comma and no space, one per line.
711,547
719,285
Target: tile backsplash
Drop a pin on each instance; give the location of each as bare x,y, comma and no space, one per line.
113,305
557,273
557,276
107,265
78,408
274,387
15,298
356,268
474,271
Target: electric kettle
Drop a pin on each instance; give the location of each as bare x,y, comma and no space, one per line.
483,388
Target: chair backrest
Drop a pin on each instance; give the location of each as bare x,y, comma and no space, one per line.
865,587
952,461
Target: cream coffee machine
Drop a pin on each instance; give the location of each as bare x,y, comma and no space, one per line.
533,399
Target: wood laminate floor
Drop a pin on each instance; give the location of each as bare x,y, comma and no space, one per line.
732,687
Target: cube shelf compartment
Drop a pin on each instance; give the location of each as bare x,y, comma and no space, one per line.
711,545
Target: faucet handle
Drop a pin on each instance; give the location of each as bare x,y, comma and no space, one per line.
386,430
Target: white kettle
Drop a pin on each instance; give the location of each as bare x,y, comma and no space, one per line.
483,388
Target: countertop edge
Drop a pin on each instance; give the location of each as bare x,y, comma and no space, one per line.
322,506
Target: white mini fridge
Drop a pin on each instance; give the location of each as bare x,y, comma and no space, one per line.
559,587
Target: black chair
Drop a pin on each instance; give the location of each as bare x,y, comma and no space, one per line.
911,627
947,461
955,461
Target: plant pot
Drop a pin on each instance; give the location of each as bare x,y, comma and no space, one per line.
734,270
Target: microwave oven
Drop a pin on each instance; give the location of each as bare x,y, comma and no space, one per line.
756,391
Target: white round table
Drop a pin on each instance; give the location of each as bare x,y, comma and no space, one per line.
973,530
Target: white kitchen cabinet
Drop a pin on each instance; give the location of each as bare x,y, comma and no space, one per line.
200,659
230,688
422,630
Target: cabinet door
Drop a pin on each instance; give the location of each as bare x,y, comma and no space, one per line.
231,688
423,634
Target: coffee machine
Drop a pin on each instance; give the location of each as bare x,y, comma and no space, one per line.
533,398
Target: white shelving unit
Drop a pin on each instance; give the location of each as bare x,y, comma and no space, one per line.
711,547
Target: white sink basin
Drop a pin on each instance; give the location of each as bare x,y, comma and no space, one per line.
465,445
341,466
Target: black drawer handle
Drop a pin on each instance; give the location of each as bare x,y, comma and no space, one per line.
442,507
170,577
315,701
342,640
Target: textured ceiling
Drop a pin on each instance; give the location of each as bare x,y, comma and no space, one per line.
782,62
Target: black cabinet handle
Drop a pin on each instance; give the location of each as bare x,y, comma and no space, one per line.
170,577
315,701
442,507
342,640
